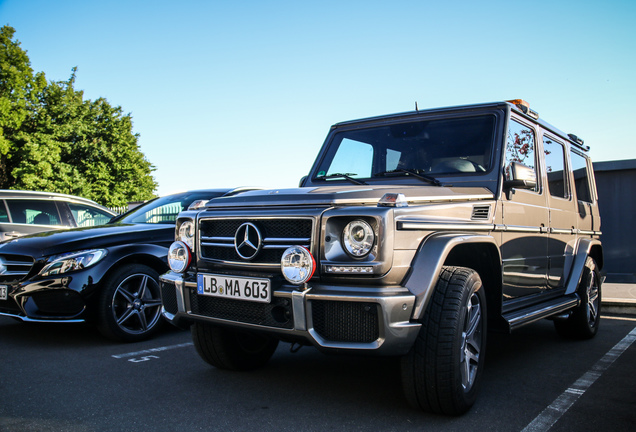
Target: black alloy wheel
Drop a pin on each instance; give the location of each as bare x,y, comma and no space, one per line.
130,304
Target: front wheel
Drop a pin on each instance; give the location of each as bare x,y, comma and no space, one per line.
442,372
584,320
130,304
227,348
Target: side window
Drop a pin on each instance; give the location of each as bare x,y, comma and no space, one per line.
166,213
88,216
4,216
33,212
555,167
581,179
520,148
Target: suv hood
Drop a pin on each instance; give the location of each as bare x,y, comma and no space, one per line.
349,195
56,242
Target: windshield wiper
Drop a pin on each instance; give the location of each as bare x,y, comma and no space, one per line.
411,172
346,176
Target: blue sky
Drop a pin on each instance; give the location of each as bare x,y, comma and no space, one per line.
237,93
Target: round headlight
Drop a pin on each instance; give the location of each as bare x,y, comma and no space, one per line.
297,264
358,238
179,257
186,233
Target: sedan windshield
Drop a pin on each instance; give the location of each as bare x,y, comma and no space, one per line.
163,210
426,147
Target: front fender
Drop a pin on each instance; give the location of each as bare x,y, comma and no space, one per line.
428,263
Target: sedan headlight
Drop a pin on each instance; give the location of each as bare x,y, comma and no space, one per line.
358,238
186,233
69,262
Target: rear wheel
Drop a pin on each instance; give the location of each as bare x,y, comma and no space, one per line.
442,372
227,348
583,322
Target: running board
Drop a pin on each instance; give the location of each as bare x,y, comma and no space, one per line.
534,313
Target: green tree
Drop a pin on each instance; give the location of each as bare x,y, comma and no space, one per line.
52,139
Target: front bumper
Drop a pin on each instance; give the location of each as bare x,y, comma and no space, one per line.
52,299
332,318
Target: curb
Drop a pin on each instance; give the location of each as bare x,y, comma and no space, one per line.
619,306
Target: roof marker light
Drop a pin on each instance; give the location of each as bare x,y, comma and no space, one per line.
393,200
524,107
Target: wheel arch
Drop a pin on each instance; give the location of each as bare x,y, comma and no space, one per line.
586,247
479,252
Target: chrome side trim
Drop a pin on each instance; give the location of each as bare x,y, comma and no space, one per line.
417,200
431,226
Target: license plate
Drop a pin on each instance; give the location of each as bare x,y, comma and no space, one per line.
4,291
234,287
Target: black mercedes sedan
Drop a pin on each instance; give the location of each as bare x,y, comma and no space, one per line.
107,274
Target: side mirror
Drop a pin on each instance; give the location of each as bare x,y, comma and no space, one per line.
302,180
520,176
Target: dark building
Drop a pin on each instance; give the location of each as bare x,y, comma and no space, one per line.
616,184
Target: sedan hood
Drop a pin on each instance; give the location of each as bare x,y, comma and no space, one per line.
349,195
56,242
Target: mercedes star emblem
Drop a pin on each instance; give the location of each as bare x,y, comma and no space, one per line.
247,241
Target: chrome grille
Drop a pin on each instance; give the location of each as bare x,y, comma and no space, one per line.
216,237
14,268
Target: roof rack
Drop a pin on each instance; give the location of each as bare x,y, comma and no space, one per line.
579,142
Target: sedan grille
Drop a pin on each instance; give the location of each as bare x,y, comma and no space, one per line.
14,268
217,238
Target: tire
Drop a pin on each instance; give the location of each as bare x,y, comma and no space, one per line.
442,372
129,307
226,348
584,320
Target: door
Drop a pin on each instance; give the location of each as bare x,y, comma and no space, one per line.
525,217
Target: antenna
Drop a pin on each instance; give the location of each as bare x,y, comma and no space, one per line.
416,106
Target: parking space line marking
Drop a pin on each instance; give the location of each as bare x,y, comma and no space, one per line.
552,413
152,350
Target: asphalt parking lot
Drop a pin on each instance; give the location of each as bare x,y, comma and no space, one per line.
69,378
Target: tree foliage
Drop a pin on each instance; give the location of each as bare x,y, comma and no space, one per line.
51,139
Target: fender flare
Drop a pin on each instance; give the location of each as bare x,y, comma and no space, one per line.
583,250
429,260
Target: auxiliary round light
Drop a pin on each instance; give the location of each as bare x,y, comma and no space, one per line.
179,257
358,238
186,233
297,264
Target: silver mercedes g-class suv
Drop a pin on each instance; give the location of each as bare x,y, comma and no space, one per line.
412,235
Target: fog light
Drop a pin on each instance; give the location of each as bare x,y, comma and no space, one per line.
179,257
297,264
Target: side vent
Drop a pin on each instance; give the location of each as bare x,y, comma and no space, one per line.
480,213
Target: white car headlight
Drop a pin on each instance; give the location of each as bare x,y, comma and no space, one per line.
69,262
186,233
179,257
358,238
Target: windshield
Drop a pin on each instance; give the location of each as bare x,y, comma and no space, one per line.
163,210
448,146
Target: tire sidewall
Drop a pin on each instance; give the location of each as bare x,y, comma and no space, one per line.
474,286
